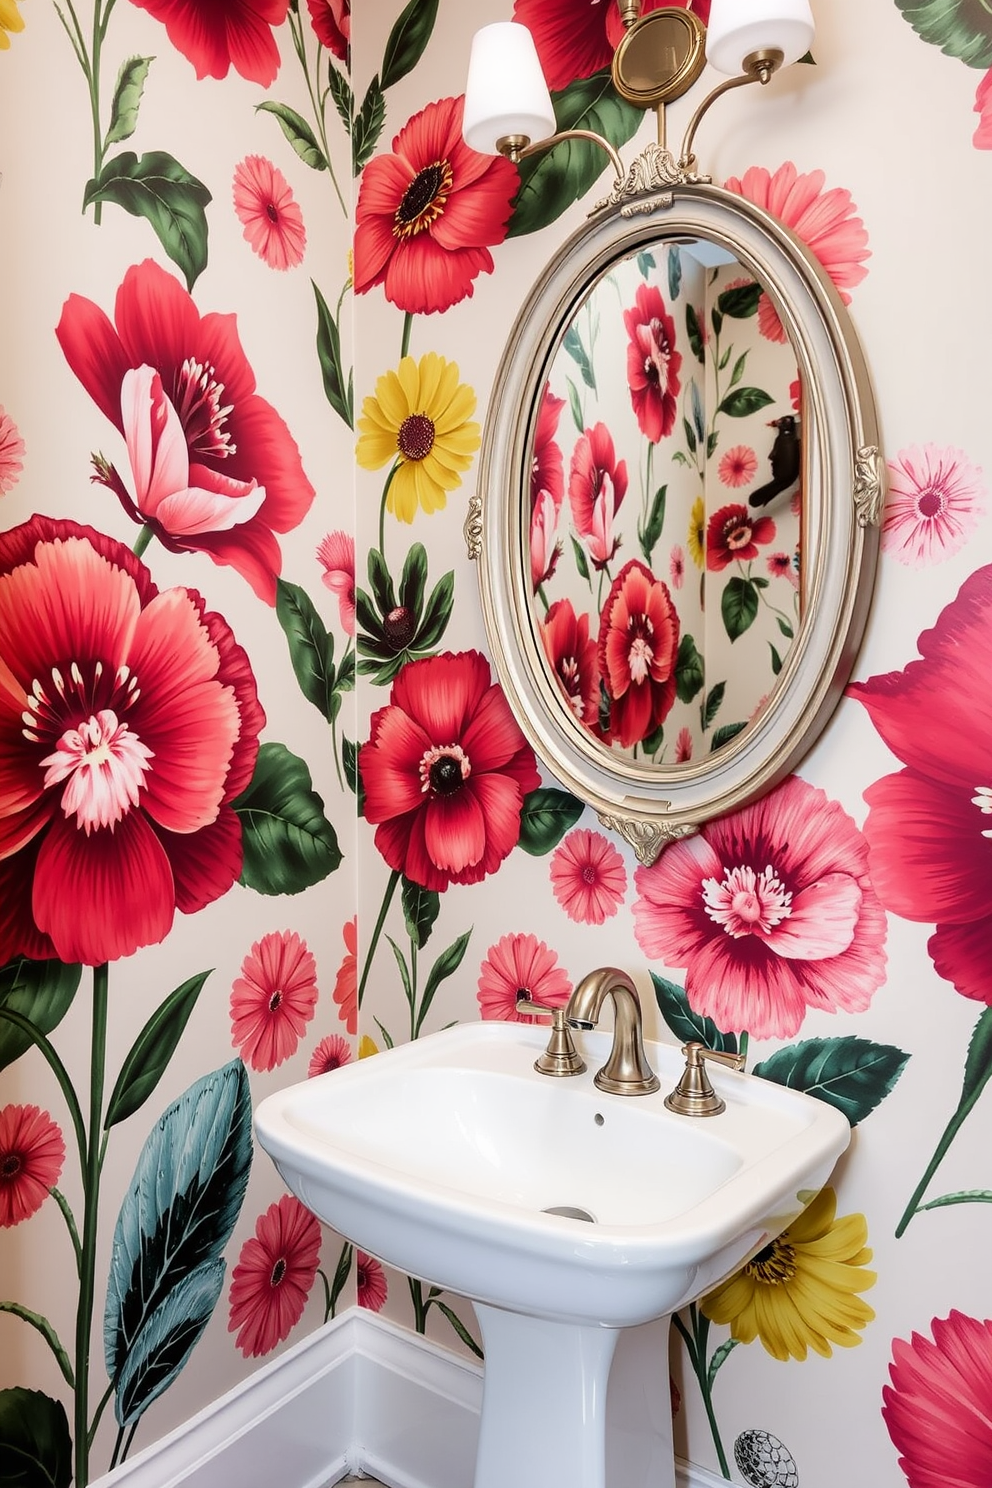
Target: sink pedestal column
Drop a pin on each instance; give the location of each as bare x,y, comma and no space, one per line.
545,1422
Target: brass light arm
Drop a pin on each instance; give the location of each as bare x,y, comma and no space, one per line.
758,68
516,147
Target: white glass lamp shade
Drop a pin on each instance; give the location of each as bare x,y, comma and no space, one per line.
739,27
506,93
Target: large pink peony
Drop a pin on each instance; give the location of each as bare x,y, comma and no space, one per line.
237,446
129,722
216,35
771,911
937,1406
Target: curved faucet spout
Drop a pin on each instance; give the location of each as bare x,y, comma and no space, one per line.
627,1071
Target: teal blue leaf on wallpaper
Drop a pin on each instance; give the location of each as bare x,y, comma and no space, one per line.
166,1270
744,401
421,908
344,99
41,991
724,734
546,816
576,350
551,181
408,40
853,1074
698,417
127,100
35,1445
646,263
690,673
367,125
311,648
149,1055
648,532
961,28
162,191
739,302
297,131
338,390
289,845
738,606
674,273
687,1025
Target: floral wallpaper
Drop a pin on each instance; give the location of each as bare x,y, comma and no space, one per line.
263,806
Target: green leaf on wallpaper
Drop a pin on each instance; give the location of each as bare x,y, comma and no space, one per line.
689,670
674,273
151,1051
579,555
459,1327
690,435
712,704
776,660
687,1025
445,966
738,371
340,90
646,263
649,532
739,606
167,1268
724,359
960,28
575,405
573,345
35,1444
337,390
42,992
742,402
289,845
694,332
408,40
785,628
740,302
162,191
717,318
853,1074
297,131
551,181
127,100
349,763
367,125
421,908
698,416
546,816
725,733
311,648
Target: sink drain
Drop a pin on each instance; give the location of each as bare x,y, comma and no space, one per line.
570,1211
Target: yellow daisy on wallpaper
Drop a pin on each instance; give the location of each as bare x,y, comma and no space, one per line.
697,532
419,417
10,20
800,1292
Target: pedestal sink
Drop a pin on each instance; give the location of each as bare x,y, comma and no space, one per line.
570,1218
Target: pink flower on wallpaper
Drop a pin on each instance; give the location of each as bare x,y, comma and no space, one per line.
129,723
331,1053
638,649
825,221
11,453
273,1278
345,992
733,534
653,363
771,911
576,38
934,501
428,213
571,653
232,435
516,966
929,827
676,566
331,21
216,35
937,1405
371,1282
784,566
547,466
273,999
597,484
588,877
982,138
445,772
683,746
545,545
269,213
336,554
738,466
32,1152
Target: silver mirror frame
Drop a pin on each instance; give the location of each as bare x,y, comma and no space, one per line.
651,806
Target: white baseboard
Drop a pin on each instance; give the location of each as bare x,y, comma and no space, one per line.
359,1395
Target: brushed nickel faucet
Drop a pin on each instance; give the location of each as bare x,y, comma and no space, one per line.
627,1071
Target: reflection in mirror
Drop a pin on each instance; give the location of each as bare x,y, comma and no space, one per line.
667,504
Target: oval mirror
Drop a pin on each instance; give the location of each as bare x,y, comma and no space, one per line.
680,487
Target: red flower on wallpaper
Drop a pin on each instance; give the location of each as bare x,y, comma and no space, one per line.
771,911
588,877
129,722
733,534
32,1152
428,213
269,213
331,21
597,484
370,1282
331,1053
234,438
517,966
638,648
936,1407
738,466
216,35
336,554
571,653
653,363
445,772
273,999
345,992
11,450
929,827
547,490
575,38
272,1280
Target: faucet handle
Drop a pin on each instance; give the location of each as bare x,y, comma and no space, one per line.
561,1056
694,1095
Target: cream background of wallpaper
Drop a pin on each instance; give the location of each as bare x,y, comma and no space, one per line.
883,115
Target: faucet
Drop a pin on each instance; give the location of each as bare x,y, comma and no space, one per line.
627,1071
694,1095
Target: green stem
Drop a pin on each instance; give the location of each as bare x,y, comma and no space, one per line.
382,508
70,1221
115,1458
317,104
414,1020
130,1439
387,899
91,1204
107,1394
47,1332
143,539
419,1305
407,328
696,1350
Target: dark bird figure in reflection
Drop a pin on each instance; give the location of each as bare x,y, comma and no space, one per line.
785,459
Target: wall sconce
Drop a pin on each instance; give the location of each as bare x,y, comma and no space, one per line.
508,109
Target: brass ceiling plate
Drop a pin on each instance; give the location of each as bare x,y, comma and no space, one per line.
660,57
